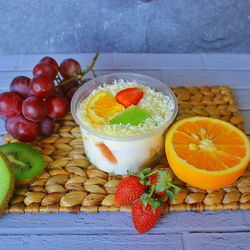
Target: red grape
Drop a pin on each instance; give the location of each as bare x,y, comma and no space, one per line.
11,124
71,92
70,68
67,86
57,106
33,109
26,131
43,68
47,126
20,85
10,104
41,86
51,61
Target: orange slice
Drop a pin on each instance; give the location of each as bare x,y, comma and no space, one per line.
107,153
102,107
207,153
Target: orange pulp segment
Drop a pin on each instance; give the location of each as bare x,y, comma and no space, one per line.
207,153
102,107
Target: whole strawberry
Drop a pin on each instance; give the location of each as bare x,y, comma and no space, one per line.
156,179
161,180
129,190
146,215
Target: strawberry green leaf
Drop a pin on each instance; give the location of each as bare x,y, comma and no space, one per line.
141,174
170,194
147,199
144,201
163,180
154,203
164,183
131,173
144,197
147,171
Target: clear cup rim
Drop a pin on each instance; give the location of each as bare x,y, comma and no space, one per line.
75,103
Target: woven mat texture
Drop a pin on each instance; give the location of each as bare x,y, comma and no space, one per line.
71,184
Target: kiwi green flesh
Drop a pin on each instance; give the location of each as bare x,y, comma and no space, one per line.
132,115
7,181
25,160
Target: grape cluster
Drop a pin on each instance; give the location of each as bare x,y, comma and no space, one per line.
32,105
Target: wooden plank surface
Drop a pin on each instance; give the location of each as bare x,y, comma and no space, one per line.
115,230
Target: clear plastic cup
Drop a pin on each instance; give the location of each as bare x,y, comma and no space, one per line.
133,153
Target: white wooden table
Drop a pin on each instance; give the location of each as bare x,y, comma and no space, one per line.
207,230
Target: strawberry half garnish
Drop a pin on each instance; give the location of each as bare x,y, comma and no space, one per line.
129,96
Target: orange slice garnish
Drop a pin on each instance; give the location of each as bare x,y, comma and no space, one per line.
102,107
106,152
207,153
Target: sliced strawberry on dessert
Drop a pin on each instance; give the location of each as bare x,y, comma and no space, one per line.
145,213
161,182
129,190
129,96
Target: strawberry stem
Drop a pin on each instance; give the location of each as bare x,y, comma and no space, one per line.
152,191
146,176
174,186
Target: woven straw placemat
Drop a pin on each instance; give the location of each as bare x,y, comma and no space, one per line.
71,184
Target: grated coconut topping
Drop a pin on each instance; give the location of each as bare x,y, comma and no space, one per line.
155,103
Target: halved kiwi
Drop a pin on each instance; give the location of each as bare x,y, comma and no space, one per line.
25,160
7,182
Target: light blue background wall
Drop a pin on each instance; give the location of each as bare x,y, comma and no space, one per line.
175,26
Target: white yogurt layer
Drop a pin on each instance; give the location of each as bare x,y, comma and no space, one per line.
130,155
155,103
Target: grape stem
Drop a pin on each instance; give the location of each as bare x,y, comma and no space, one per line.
91,66
80,77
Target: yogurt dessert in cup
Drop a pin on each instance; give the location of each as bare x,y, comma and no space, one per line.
123,118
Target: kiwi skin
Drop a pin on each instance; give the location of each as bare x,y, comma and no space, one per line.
4,204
